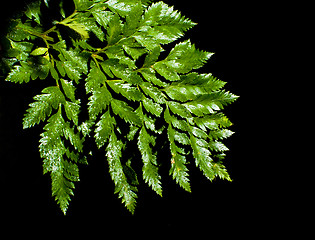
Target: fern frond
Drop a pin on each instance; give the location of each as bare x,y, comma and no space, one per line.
137,95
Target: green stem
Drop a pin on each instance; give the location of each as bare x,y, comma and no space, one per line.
50,30
65,21
114,80
57,83
68,19
47,44
37,34
108,46
96,62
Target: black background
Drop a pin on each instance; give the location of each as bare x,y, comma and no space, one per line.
225,28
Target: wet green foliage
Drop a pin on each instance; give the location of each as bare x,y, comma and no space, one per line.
137,93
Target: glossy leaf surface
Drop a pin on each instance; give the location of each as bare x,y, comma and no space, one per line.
110,80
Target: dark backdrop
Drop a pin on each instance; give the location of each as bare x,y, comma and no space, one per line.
223,29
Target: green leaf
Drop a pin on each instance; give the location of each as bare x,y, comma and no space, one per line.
181,138
91,26
62,10
37,112
146,2
153,92
197,132
202,158
68,89
152,107
100,99
150,168
103,17
52,149
78,59
149,121
220,134
166,70
217,146
126,89
20,50
152,57
33,11
60,68
133,19
183,58
124,111
95,78
193,86
178,109
123,7
114,30
56,94
81,5
126,74
149,75
134,49
178,170
72,111
20,31
39,51
46,3
125,191
61,188
206,81
161,14
72,61
39,70
167,25
146,40
118,53
70,69
86,127
78,27
105,128
220,170
210,103
179,124
213,122
42,107
74,137
20,74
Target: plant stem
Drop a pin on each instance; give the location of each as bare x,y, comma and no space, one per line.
96,62
64,21
50,30
108,46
